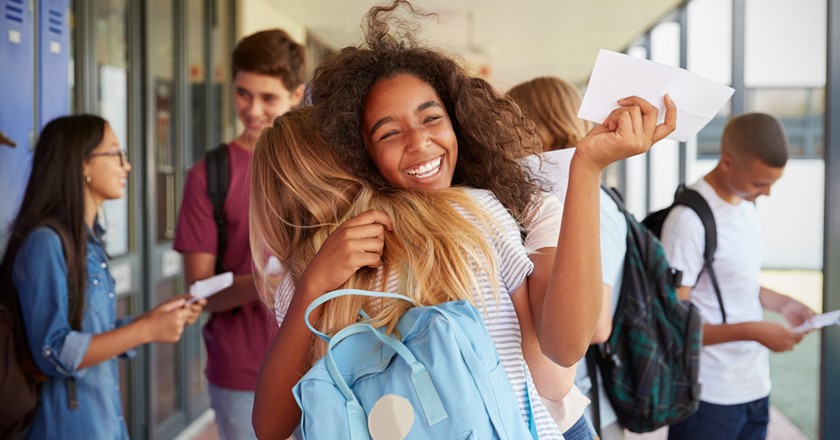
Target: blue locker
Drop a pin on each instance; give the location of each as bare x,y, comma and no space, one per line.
16,107
53,60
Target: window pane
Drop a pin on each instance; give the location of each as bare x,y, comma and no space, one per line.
665,43
801,112
112,68
785,43
709,26
197,79
709,55
222,91
161,43
165,375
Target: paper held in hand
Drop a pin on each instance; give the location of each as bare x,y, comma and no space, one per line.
616,76
209,286
819,321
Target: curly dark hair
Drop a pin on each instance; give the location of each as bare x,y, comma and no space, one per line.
491,130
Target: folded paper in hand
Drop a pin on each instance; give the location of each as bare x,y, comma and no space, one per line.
616,76
209,286
819,321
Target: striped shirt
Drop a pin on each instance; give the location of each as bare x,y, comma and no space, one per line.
497,311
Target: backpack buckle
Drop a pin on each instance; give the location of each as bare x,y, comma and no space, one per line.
675,277
613,357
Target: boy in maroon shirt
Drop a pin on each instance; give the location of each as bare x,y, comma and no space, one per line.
268,73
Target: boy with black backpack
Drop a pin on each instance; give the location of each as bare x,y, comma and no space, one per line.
213,232
734,371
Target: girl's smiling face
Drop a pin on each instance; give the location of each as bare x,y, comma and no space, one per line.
107,167
409,135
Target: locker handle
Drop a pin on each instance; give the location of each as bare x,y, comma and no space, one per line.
4,140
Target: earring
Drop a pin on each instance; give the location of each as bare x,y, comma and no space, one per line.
87,179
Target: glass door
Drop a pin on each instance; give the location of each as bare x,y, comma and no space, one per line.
166,375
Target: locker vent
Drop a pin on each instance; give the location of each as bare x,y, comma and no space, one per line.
55,21
14,10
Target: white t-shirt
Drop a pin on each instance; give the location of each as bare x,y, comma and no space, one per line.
544,228
733,372
499,316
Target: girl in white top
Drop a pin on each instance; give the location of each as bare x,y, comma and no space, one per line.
399,116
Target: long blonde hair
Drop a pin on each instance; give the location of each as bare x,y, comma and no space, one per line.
301,193
553,105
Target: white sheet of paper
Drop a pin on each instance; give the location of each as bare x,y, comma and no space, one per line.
210,286
554,168
616,76
820,321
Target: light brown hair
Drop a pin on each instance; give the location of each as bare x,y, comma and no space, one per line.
552,104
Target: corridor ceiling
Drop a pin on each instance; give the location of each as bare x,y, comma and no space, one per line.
509,41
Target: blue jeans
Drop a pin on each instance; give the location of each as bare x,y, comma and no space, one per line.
233,413
581,430
745,421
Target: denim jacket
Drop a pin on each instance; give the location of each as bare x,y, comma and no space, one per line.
40,278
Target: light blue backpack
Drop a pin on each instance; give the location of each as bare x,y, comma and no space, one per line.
442,379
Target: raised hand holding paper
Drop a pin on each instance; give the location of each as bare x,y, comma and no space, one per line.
616,76
209,286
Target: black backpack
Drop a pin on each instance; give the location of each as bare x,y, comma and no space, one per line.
692,199
218,182
19,378
650,362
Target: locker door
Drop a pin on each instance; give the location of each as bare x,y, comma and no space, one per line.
16,107
53,59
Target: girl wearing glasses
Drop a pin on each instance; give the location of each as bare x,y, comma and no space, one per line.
55,275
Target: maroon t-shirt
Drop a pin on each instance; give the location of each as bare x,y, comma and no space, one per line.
236,340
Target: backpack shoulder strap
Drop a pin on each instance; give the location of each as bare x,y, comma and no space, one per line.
218,182
695,201
616,197
592,358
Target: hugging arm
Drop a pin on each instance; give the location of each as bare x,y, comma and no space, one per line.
357,243
276,413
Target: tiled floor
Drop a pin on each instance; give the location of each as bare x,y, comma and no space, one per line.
780,428
203,428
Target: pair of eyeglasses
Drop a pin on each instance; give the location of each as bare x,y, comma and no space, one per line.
120,153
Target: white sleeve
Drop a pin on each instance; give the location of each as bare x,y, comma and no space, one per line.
544,228
684,240
283,298
613,240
